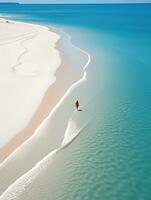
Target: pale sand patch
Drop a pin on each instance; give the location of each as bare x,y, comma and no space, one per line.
66,75
38,139
50,99
28,63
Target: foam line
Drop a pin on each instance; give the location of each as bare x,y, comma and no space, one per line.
20,184
14,190
70,89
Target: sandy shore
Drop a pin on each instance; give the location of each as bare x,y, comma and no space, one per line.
37,62
46,129
50,99
28,63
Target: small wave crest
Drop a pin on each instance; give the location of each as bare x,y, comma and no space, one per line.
72,131
16,189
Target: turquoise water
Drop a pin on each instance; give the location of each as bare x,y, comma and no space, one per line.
111,158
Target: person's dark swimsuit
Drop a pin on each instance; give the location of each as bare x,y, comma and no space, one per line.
77,105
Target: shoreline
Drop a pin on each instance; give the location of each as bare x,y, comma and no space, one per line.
26,74
46,105
31,174
41,113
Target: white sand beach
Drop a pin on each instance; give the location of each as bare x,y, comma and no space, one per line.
33,108
28,63
30,83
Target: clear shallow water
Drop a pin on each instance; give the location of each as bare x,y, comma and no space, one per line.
111,158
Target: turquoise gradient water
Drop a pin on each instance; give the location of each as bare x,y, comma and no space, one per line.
111,158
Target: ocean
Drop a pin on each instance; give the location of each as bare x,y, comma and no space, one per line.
111,157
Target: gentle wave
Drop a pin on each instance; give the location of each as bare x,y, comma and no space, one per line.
19,186
70,89
71,133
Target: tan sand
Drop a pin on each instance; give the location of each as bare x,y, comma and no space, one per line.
51,97
28,63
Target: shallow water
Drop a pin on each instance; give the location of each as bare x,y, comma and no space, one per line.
111,157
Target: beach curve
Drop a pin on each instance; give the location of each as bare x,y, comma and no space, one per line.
70,134
76,84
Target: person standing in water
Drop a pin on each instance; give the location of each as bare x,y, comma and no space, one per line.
77,105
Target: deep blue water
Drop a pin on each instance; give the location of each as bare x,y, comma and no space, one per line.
111,159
